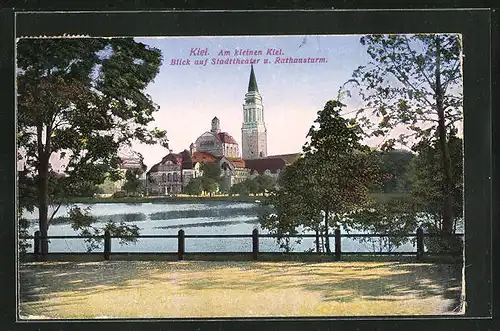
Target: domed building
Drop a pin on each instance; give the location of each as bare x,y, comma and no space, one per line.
175,170
216,142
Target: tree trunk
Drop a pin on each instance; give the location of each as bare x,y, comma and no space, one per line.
327,239
43,206
447,225
317,241
322,242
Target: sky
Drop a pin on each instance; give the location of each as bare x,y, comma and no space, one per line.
189,96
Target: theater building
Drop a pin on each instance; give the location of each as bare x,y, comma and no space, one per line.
175,170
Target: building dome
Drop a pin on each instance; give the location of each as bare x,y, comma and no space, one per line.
216,142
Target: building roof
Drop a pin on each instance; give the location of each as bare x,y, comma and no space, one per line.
288,158
188,160
176,158
261,165
226,138
237,162
185,159
203,157
252,84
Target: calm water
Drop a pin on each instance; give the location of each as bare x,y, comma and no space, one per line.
211,217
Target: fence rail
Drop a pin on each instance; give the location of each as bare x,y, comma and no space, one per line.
181,237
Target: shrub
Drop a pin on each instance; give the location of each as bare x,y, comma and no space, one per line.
119,194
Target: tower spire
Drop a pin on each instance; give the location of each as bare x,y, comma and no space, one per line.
252,84
253,130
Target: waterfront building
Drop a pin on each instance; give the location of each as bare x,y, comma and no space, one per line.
216,142
175,170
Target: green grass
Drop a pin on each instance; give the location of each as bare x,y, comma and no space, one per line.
162,289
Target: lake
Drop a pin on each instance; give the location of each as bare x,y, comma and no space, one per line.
208,217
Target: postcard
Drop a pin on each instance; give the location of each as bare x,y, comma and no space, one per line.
240,176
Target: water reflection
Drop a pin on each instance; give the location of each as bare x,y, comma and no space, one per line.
195,218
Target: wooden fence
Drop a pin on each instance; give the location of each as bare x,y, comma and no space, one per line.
181,238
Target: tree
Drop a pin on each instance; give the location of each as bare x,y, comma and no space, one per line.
291,208
194,186
422,207
240,189
333,177
211,170
415,82
211,177
132,184
394,164
396,216
81,99
251,185
209,184
340,167
83,222
264,183
428,181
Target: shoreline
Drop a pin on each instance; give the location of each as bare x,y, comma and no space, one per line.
167,199
201,198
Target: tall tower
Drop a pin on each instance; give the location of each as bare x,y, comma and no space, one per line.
253,130
215,125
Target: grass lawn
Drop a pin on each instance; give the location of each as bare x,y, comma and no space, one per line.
160,289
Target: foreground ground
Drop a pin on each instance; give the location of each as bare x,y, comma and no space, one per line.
160,289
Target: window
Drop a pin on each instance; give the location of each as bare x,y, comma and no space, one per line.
175,176
164,177
169,177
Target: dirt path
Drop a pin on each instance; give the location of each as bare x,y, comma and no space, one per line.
125,289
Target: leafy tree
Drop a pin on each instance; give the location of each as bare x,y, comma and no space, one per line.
133,184
264,183
81,99
332,178
26,201
394,165
422,207
251,185
211,170
428,182
83,223
414,82
240,189
209,184
290,208
211,177
194,186
340,168
396,216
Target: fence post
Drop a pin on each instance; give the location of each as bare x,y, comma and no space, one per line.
255,243
180,245
420,244
338,250
36,245
107,244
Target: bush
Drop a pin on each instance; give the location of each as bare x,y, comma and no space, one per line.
119,194
447,244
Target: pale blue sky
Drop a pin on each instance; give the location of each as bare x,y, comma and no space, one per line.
190,96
